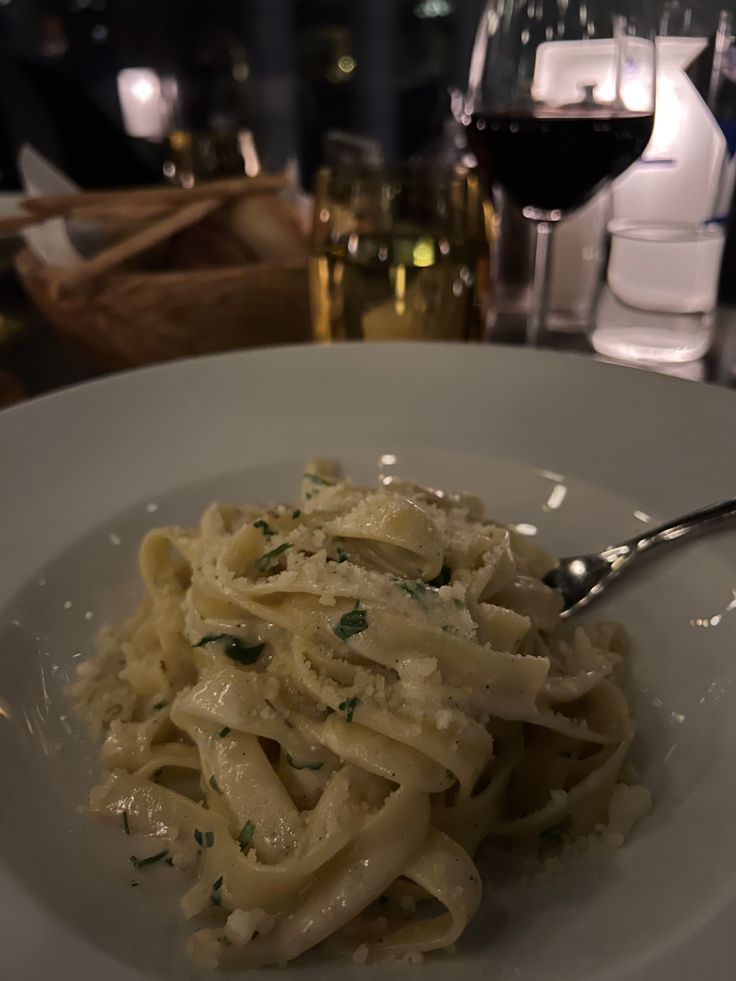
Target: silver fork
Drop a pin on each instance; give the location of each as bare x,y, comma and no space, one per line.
580,578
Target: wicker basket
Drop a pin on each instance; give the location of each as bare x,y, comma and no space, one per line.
129,319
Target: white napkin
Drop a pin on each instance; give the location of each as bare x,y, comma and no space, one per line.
55,242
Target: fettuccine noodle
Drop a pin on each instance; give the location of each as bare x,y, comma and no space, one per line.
324,710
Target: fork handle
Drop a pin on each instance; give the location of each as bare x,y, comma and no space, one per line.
704,519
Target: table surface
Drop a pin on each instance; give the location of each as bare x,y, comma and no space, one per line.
41,361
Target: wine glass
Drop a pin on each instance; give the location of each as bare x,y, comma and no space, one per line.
560,100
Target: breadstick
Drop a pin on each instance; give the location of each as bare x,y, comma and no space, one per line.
157,196
83,272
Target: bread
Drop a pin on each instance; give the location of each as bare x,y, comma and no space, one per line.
271,226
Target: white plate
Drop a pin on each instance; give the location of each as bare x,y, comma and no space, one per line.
80,474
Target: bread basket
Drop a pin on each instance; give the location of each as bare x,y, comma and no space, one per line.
128,319
120,314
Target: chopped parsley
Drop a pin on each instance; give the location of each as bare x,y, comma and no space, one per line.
157,774
205,839
214,784
348,707
296,514
209,639
225,731
139,863
216,895
342,555
125,822
234,648
246,835
265,528
268,558
316,479
354,622
158,706
302,766
557,831
414,587
418,589
282,718
442,579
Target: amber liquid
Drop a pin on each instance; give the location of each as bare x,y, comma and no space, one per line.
392,287
193,157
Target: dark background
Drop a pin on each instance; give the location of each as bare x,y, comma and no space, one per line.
61,59
273,66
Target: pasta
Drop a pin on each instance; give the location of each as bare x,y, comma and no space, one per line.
325,710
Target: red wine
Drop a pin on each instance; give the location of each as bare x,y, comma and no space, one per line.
556,162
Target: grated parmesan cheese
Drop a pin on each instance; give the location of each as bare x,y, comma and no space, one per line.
242,925
360,954
628,805
410,957
443,719
204,948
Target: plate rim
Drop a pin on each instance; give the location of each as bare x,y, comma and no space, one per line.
606,366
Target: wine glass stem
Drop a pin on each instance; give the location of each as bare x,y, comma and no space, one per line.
537,319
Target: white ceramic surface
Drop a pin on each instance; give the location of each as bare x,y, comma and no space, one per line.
85,472
679,173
